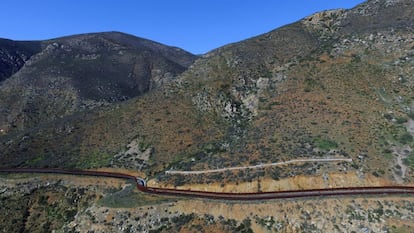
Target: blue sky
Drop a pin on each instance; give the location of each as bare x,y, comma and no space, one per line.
195,25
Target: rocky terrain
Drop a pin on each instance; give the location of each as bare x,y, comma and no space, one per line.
68,204
336,84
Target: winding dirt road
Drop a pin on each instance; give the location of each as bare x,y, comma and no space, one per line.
323,160
384,190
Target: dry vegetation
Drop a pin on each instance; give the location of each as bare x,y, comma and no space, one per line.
333,84
327,92
84,204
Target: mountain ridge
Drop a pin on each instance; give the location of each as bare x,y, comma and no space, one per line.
68,74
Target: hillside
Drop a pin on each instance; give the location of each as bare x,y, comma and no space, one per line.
48,80
330,85
324,102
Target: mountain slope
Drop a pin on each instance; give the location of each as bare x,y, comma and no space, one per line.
81,72
330,85
13,55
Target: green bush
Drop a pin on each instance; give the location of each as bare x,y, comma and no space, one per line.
401,120
95,159
325,144
406,138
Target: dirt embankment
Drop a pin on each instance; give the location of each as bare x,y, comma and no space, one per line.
121,170
331,180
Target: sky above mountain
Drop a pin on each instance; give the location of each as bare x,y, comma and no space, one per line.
195,25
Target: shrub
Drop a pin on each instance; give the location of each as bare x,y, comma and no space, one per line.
325,144
401,120
406,138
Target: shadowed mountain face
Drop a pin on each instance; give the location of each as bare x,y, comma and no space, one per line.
13,55
335,84
50,79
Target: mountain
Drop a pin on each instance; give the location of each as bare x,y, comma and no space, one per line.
47,80
334,84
